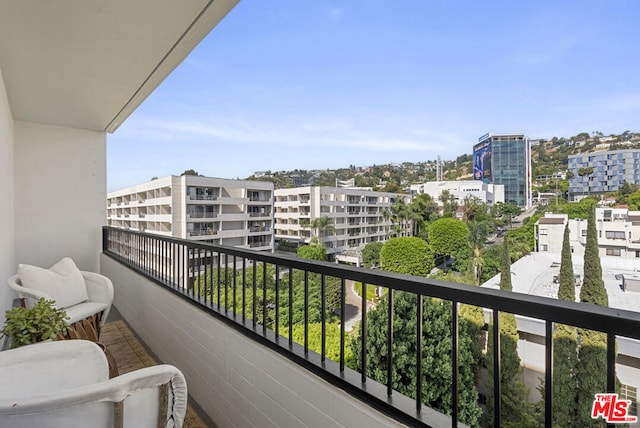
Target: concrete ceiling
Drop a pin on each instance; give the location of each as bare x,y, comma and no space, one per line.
89,64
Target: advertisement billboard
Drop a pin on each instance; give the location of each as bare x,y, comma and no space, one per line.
482,161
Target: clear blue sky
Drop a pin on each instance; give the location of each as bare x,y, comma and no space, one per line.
313,84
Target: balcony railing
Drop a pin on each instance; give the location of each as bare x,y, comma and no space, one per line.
241,300
202,215
203,197
203,232
259,214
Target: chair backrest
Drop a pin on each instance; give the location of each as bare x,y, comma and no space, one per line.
77,391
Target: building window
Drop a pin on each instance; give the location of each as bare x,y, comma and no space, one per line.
544,247
543,231
613,252
628,392
584,232
614,234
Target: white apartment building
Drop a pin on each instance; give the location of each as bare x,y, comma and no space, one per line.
618,233
460,190
358,215
220,211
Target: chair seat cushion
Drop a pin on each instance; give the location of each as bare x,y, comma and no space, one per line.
63,282
83,310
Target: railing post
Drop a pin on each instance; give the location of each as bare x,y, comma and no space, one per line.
454,364
419,354
496,369
548,375
390,343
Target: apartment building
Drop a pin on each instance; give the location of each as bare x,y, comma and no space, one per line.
461,190
220,211
358,215
618,233
601,172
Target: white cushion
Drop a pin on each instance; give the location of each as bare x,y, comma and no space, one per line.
84,310
63,282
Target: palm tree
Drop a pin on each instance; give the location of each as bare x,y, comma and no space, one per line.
400,214
386,215
420,210
320,227
449,203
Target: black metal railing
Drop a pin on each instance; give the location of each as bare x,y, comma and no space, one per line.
254,292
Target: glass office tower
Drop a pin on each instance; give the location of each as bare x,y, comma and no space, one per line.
505,159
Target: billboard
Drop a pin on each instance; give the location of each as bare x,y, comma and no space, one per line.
482,161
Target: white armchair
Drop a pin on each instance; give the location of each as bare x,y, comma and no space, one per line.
66,383
99,290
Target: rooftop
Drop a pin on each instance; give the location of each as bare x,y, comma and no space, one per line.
534,273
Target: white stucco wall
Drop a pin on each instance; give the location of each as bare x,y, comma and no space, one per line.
60,194
6,200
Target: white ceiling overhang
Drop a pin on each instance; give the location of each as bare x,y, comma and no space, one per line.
88,64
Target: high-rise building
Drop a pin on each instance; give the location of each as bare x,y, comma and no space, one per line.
505,159
215,210
601,172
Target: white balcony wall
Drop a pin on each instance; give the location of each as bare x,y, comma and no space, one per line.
60,194
238,382
7,260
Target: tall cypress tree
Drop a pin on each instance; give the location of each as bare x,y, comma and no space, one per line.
591,372
505,267
565,349
593,290
514,395
567,290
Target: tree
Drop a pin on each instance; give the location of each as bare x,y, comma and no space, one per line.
593,290
332,340
505,267
514,395
312,252
447,236
422,209
592,354
449,203
371,254
399,216
223,284
436,354
320,227
408,255
473,209
506,212
633,200
567,289
190,172
565,346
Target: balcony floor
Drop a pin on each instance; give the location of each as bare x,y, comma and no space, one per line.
131,355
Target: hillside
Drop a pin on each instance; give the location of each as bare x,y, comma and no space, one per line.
547,157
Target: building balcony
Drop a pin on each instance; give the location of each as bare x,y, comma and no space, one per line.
242,371
197,215
202,198
202,232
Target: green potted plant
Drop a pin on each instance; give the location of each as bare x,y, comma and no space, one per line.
43,321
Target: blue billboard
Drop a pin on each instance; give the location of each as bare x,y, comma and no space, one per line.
482,161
